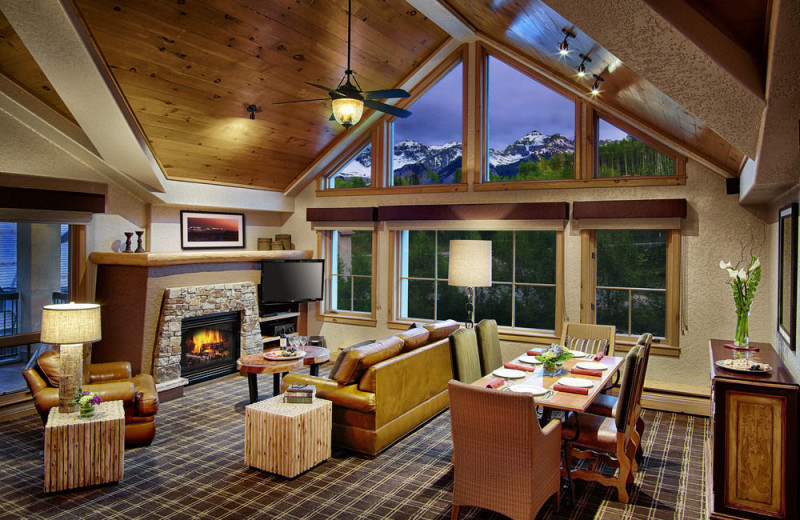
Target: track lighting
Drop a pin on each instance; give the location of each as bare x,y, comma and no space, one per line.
563,47
253,109
596,85
582,67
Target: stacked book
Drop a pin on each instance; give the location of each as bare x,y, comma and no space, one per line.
300,394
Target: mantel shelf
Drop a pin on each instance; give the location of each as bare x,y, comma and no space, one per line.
193,257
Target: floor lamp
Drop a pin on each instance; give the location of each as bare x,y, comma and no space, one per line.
70,325
470,266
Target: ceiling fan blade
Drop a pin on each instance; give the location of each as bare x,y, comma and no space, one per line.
389,109
333,93
299,101
386,94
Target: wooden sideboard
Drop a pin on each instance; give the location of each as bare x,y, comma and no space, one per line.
752,454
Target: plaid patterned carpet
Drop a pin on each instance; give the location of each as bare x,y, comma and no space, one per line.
195,469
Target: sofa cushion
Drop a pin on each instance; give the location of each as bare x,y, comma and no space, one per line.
441,329
359,359
50,364
414,338
342,354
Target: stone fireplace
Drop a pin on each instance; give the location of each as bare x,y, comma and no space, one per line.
222,311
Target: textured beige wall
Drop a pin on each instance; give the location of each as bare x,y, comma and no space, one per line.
716,228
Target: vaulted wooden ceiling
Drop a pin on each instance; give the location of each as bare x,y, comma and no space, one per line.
189,68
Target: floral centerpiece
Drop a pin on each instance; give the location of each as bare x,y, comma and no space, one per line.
553,358
86,401
744,283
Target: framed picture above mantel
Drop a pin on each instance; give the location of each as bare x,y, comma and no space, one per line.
207,230
787,274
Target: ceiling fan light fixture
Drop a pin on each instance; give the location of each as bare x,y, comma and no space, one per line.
347,111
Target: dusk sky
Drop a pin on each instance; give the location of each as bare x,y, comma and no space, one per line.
517,105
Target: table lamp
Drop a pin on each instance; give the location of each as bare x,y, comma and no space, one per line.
70,325
470,266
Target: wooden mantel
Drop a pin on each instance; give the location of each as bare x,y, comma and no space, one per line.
193,257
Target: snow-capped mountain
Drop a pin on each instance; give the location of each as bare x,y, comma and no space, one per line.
413,161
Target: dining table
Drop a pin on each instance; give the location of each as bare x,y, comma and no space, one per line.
553,398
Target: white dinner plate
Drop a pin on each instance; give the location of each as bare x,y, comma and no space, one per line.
528,389
575,382
591,365
531,360
508,373
577,353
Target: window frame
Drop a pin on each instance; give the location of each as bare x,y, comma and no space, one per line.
325,250
670,344
523,335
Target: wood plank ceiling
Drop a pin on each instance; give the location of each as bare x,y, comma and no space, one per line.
189,68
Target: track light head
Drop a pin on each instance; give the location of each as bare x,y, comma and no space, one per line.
563,47
582,66
596,84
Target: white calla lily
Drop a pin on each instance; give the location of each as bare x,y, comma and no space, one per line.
755,265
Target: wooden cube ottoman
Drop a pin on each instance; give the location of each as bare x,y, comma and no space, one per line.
287,438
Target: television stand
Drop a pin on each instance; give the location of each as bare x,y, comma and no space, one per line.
278,319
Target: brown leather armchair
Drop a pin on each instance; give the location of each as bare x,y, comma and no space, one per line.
112,382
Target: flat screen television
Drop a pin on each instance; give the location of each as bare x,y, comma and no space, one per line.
292,281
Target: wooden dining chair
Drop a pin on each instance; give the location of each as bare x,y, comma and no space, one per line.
605,439
504,461
488,346
606,404
589,338
464,353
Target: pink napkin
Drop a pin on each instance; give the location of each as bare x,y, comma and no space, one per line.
512,366
533,352
600,355
587,372
572,389
731,345
495,383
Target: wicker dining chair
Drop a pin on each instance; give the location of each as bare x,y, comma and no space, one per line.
606,439
488,346
465,357
504,461
589,338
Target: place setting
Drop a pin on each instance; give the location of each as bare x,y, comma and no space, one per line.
589,368
573,385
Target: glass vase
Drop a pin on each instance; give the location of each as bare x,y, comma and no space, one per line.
742,338
552,369
86,410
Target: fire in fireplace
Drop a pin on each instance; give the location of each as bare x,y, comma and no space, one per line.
209,346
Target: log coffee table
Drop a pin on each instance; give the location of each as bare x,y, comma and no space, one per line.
254,364
315,356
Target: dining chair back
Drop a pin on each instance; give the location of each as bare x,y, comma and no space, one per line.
588,337
606,439
464,353
488,346
504,461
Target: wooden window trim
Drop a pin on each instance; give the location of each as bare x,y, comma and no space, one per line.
670,345
679,160
324,313
521,335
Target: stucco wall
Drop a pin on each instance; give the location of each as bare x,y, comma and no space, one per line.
716,228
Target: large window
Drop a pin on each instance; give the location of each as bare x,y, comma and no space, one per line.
355,174
350,264
531,128
523,293
634,281
428,144
619,154
34,271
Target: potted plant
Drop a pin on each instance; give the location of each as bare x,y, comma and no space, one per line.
553,359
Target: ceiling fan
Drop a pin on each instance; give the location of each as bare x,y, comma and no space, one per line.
348,99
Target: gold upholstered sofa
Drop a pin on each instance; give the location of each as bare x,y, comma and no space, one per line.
383,390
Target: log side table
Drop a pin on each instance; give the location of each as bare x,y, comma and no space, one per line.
254,364
287,438
84,452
